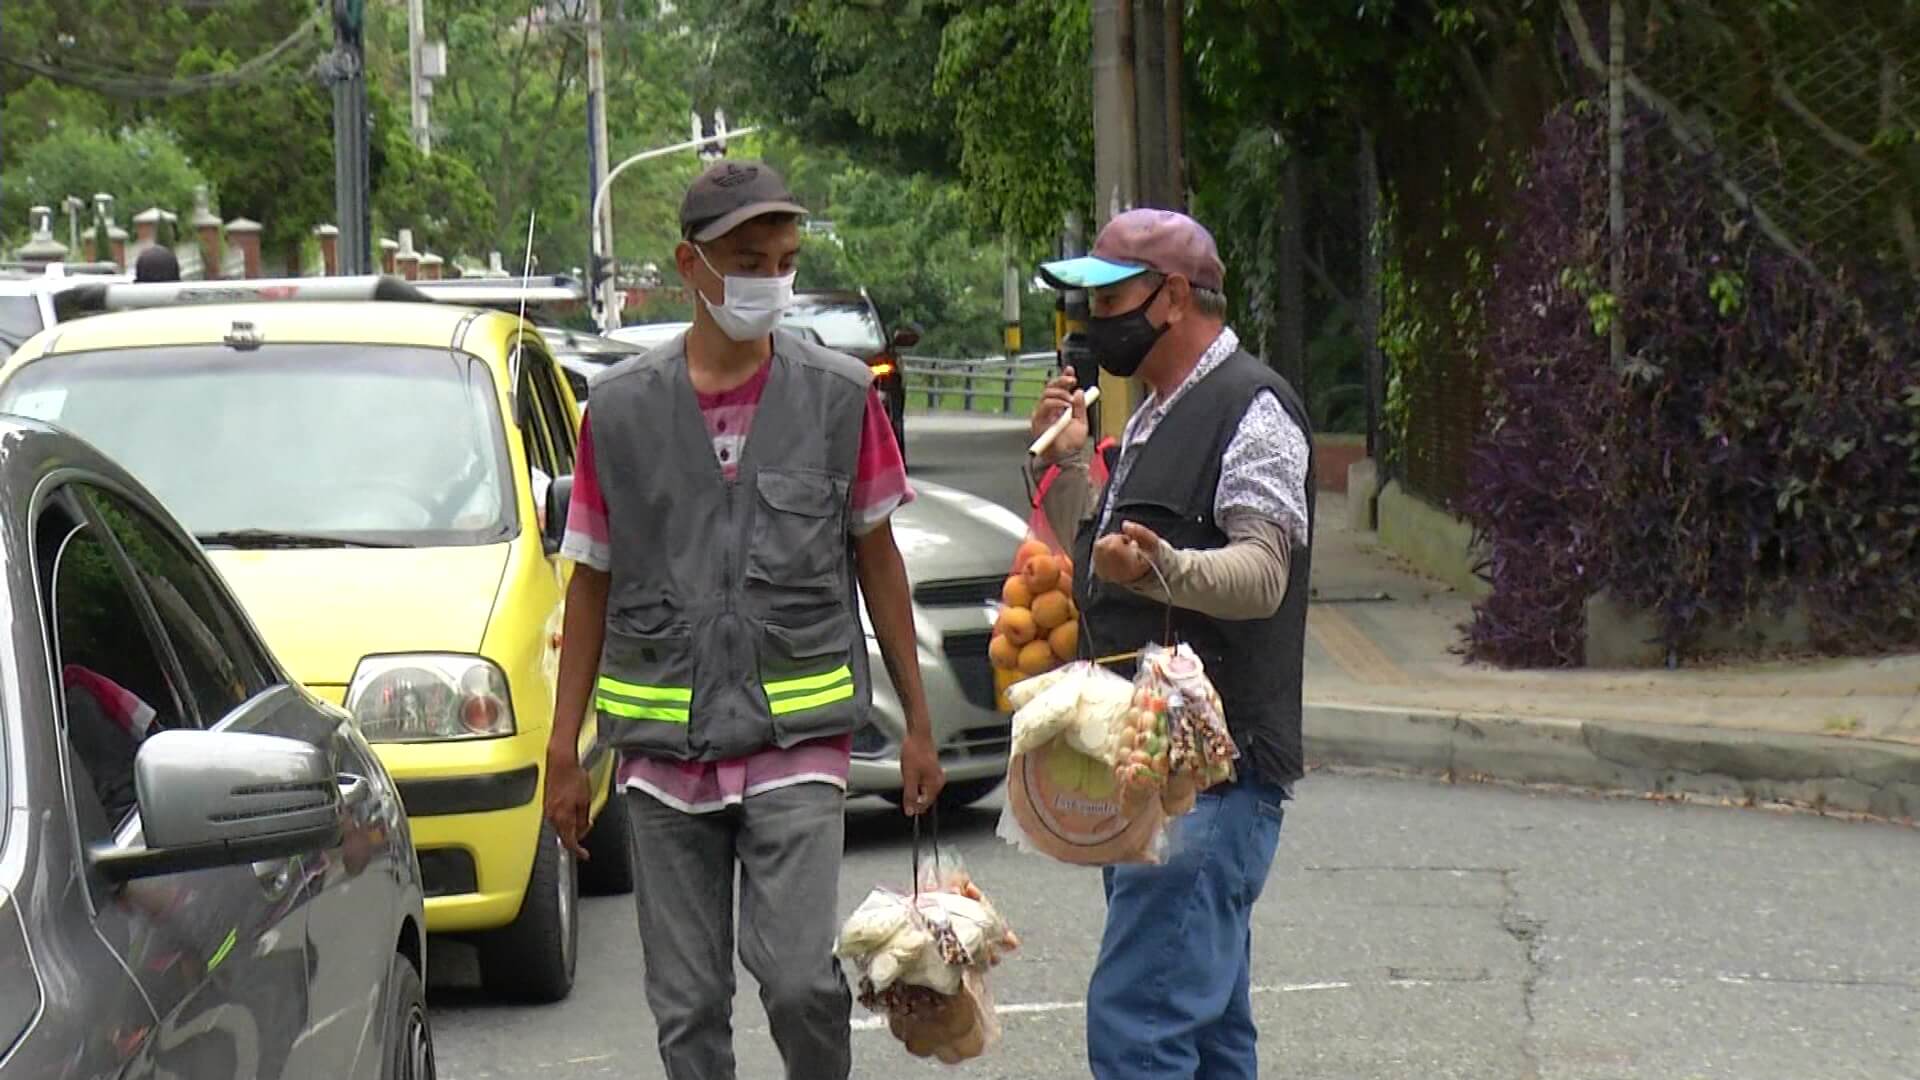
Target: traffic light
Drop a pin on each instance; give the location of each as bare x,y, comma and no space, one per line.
603,268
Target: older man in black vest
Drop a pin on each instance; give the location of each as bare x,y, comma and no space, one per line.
1208,514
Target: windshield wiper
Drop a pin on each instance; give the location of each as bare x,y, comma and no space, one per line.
271,538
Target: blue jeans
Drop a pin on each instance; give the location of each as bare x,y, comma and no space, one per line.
1170,994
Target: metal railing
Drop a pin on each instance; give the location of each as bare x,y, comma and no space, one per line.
995,384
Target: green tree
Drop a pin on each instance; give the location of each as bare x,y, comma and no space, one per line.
268,149
40,108
140,167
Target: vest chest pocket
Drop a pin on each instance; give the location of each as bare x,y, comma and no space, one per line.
799,529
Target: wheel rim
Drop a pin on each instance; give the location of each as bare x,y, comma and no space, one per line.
568,899
419,1046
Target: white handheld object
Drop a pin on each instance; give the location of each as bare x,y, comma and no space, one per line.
1046,438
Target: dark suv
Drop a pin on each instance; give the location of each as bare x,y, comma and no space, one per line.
847,321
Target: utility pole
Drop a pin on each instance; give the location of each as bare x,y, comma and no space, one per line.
1114,115
607,289
1160,135
1138,136
345,69
1011,285
416,73
1115,162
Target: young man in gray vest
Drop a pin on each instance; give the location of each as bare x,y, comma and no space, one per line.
1214,489
732,487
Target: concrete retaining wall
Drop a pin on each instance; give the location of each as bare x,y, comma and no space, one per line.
1435,542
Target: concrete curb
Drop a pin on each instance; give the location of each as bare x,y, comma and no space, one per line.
1880,779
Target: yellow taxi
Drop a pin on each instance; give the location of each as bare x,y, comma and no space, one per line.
383,481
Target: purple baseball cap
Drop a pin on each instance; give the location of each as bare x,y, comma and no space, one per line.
1138,241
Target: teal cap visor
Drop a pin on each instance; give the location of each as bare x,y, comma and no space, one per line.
1087,272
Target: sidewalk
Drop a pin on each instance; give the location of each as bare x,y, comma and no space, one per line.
1385,688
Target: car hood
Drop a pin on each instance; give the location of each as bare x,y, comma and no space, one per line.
323,609
946,534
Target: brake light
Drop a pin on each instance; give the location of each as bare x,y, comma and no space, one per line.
882,369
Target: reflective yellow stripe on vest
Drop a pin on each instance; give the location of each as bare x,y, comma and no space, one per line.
633,701
786,696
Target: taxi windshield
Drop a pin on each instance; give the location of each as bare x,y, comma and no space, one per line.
314,445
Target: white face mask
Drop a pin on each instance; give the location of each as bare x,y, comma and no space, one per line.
752,305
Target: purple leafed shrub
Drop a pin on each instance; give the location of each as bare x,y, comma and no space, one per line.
1762,444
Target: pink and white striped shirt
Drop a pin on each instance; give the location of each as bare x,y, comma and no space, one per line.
879,488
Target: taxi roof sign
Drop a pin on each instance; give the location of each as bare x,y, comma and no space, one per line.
93,299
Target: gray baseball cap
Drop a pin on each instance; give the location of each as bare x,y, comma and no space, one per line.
729,195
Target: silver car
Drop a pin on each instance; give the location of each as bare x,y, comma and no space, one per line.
958,550
204,870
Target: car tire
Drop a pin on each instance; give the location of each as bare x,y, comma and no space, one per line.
608,870
957,795
409,1029
533,958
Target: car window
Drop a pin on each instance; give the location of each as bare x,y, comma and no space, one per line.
560,429
533,428
116,685
19,320
846,325
222,665
386,444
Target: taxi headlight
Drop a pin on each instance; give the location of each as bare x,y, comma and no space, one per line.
430,697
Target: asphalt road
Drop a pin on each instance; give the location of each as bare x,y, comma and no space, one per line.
1409,929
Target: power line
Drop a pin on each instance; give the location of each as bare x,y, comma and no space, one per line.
136,86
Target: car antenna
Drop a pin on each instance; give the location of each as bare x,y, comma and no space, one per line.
526,274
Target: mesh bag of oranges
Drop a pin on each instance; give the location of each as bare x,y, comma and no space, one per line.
1039,625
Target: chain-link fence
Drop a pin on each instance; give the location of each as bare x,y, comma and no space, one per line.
1804,118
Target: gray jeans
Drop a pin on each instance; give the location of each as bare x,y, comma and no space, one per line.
786,844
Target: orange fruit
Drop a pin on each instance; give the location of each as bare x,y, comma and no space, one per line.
1015,593
1043,574
1066,571
1065,641
1028,551
1017,625
1052,609
1004,654
1037,658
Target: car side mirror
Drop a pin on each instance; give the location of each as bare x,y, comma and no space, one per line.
907,336
559,501
222,798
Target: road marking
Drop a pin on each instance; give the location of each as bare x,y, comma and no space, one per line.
879,1023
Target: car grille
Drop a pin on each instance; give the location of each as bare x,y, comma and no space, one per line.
967,653
980,742
960,592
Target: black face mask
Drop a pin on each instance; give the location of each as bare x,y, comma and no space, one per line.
1121,342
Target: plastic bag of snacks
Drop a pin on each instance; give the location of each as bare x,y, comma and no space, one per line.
1177,742
922,960
1067,795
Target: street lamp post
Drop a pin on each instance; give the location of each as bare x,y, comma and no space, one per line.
602,243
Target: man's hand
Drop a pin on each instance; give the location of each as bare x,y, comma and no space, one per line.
921,776
1061,395
1126,556
883,582
569,798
